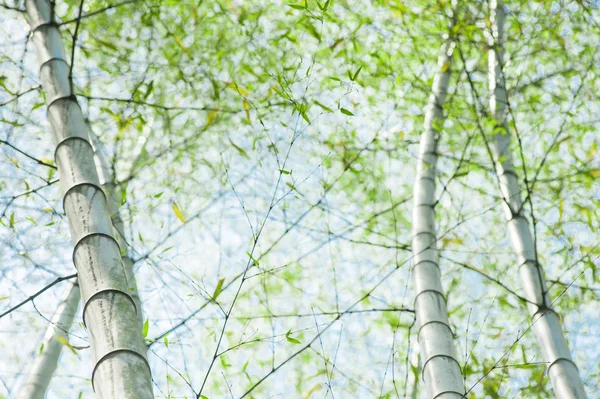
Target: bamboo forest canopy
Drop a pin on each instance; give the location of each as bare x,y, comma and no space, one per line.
261,161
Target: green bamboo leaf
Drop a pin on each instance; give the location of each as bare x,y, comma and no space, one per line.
36,106
353,77
239,149
66,343
145,329
178,212
218,289
323,106
256,262
289,338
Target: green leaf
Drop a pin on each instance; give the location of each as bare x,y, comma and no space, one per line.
323,106
293,188
224,362
246,106
290,339
353,77
123,196
145,329
11,221
239,149
245,366
239,89
296,7
346,112
149,90
4,298
218,289
166,249
36,106
302,108
256,262
313,32
106,44
178,212
66,343
304,116
3,84
166,341
181,45
158,195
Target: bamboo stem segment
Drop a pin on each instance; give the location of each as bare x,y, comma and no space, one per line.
545,321
121,370
441,370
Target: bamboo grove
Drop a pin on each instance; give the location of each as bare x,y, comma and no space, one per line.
248,199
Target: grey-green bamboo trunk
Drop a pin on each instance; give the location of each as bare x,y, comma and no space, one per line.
120,370
545,321
40,372
111,190
441,369
39,376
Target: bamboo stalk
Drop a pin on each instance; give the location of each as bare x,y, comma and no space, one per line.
40,373
120,369
441,370
545,321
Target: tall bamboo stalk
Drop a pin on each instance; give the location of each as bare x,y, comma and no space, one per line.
40,372
441,369
121,370
110,188
545,321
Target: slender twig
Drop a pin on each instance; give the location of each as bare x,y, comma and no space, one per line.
96,12
38,161
74,43
159,106
7,7
32,297
21,94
